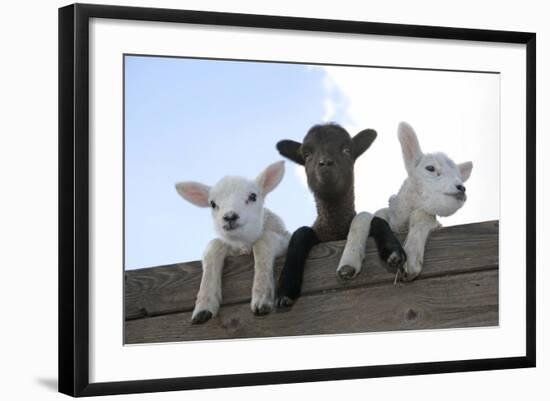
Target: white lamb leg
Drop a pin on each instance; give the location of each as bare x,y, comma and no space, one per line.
384,214
210,292
420,226
354,251
265,249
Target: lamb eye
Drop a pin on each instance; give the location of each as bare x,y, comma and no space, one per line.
347,151
213,204
430,168
252,197
306,154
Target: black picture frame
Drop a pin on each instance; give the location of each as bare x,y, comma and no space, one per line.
74,198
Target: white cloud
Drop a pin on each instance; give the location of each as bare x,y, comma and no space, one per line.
301,174
330,100
330,109
456,113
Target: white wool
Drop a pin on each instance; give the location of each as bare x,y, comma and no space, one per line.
430,190
255,229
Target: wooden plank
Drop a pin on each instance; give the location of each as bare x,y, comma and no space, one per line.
172,289
460,300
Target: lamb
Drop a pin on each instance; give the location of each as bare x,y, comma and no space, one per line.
434,187
243,226
328,154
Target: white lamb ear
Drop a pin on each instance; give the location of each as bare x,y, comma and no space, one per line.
194,192
465,170
412,154
271,177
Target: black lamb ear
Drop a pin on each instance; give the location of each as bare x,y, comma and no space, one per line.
291,150
362,141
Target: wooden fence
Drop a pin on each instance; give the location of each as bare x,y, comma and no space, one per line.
458,288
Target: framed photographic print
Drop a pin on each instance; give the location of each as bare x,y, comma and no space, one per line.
253,199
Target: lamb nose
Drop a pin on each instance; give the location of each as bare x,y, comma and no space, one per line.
230,217
461,188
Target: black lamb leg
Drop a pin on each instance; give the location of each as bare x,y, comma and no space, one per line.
290,281
389,247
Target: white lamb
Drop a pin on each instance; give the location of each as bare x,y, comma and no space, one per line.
434,187
243,226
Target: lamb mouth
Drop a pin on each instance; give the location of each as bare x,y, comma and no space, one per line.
460,196
230,226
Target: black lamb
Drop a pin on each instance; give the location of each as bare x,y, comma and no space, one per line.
328,154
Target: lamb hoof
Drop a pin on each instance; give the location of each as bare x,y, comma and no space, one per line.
347,272
284,303
409,276
396,259
262,310
411,271
201,317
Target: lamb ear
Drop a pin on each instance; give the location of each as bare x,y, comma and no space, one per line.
465,170
291,150
194,192
409,146
271,177
362,141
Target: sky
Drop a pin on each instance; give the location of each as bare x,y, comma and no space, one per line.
198,120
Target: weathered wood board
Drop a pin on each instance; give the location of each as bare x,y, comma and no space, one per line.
458,288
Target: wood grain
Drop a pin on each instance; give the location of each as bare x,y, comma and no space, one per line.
172,289
458,300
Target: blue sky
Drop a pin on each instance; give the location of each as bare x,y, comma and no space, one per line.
192,119
198,120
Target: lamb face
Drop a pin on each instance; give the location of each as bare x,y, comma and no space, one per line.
237,210
437,183
328,154
236,204
440,184
328,161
